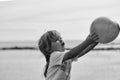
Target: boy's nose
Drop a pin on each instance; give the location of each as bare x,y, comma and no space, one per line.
62,43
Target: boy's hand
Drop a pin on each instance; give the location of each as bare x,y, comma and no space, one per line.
93,37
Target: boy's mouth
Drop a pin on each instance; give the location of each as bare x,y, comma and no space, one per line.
62,44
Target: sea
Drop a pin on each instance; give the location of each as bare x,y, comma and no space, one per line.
22,60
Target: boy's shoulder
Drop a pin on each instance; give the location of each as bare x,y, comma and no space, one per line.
59,53
56,58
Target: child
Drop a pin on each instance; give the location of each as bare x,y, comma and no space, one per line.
58,60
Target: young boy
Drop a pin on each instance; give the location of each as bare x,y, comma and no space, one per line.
58,60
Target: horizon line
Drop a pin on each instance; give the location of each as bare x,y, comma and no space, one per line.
38,40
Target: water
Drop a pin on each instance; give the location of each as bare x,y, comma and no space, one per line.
68,44
29,64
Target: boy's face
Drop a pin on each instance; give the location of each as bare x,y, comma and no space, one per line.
58,45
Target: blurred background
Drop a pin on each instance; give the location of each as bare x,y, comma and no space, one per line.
22,22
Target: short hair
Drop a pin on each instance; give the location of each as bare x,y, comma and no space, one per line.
46,39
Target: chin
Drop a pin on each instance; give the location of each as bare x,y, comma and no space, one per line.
63,49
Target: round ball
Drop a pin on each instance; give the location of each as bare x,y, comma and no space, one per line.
106,29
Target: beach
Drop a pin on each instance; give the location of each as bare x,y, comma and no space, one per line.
24,22
29,65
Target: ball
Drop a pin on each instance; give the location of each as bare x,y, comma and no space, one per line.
106,29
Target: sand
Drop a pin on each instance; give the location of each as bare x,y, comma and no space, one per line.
29,64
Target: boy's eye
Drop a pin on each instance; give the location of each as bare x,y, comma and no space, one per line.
57,41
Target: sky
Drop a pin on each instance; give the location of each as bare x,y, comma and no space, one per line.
29,19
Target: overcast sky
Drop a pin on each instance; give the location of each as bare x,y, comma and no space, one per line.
29,19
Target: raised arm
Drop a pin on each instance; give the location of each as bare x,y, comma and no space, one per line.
81,47
90,47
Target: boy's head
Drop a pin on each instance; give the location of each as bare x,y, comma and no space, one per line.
51,41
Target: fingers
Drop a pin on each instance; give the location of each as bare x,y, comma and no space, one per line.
94,37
